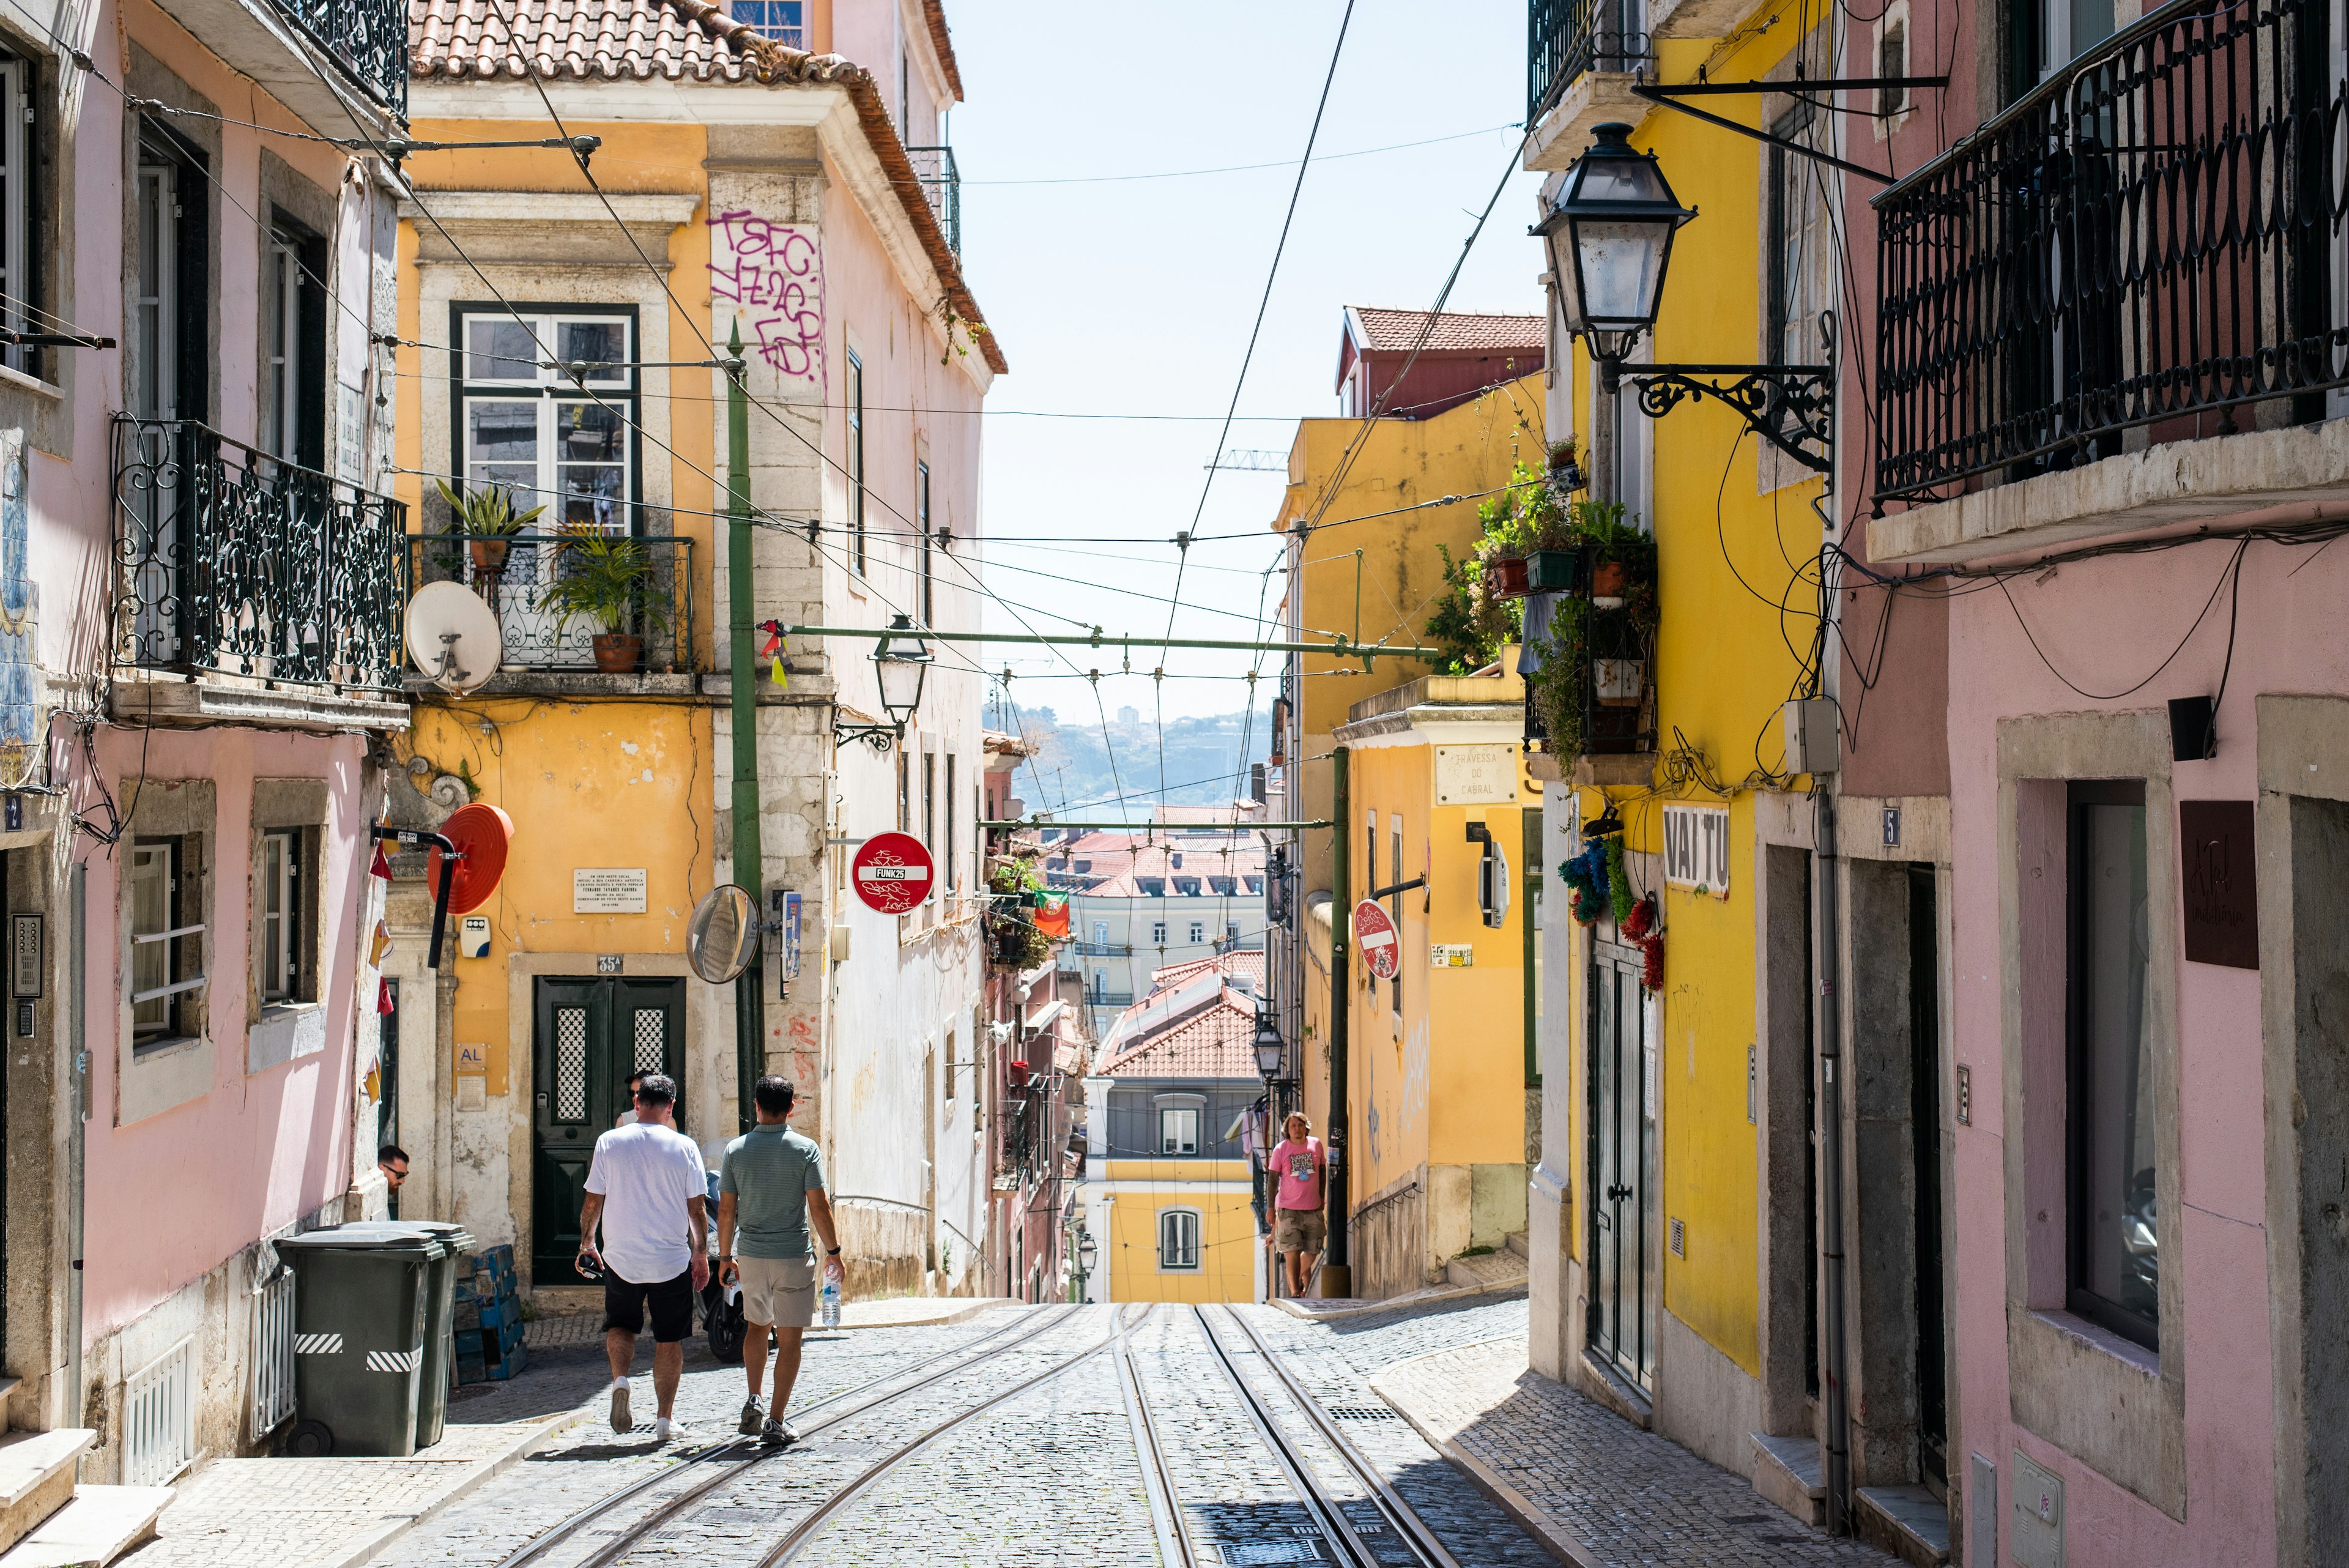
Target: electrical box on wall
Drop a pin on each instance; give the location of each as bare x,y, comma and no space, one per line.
1807,726
473,937
2038,1536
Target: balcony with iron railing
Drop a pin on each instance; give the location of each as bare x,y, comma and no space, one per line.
576,603
229,562
2145,250
1581,59
365,39
340,65
942,185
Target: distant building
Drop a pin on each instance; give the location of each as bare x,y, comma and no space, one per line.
1179,890
1167,1188
1429,369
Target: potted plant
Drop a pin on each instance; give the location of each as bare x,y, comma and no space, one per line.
606,579
1615,544
488,520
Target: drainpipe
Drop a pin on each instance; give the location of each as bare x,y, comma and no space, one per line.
750,994
1337,1268
76,1131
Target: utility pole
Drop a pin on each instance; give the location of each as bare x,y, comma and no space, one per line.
750,995
1337,1268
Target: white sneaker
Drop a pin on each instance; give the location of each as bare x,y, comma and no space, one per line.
668,1431
620,1420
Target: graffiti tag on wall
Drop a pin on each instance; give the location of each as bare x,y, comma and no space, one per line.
771,277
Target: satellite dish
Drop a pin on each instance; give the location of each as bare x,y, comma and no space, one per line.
481,832
453,637
723,935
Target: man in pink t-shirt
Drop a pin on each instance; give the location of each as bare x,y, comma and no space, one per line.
1297,1226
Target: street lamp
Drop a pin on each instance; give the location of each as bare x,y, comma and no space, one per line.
1270,1047
1610,236
1611,240
901,663
1087,1255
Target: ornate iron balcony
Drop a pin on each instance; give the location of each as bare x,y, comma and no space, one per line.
2151,235
522,578
942,184
367,38
1566,38
232,561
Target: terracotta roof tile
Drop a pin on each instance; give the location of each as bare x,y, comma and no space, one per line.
1395,332
1214,1042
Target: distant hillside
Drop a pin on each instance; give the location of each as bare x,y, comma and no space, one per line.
1206,760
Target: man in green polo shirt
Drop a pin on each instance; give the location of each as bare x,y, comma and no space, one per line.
770,1192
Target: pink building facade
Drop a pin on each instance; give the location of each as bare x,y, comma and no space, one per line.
201,654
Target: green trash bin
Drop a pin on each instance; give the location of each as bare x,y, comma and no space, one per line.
440,1369
359,1321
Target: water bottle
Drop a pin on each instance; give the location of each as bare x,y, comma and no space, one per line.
831,1303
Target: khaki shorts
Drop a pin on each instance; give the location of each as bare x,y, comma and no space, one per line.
778,1293
1297,1230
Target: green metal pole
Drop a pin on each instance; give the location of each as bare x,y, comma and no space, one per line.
1336,1267
749,993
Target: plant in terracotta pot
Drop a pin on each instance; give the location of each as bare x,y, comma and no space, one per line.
609,581
489,520
1617,546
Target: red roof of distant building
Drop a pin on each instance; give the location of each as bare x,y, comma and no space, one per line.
1397,331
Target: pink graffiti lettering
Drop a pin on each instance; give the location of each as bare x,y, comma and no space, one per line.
777,270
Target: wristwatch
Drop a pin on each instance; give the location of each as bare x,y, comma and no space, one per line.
831,1251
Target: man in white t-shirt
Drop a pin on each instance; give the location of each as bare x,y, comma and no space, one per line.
646,1186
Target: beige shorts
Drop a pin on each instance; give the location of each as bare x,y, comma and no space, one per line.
1297,1230
778,1293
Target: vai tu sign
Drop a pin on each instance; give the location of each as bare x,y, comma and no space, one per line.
892,872
1374,934
1696,849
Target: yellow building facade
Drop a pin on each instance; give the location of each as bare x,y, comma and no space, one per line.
1147,1209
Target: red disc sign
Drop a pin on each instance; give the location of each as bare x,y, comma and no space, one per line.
892,872
1374,933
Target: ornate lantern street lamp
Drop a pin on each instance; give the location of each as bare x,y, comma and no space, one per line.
901,662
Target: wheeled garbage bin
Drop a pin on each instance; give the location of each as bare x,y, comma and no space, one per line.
440,1368
359,1322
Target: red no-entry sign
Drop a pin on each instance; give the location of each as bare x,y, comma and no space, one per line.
892,872
1374,933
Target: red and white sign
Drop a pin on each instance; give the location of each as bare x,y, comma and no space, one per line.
1374,933
892,872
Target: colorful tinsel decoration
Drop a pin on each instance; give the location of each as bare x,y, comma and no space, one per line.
1639,927
1619,881
1584,876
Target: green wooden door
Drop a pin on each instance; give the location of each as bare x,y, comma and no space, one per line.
588,1033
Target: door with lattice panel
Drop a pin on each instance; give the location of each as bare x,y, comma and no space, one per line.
588,1035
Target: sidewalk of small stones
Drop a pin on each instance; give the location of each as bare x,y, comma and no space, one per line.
1607,1494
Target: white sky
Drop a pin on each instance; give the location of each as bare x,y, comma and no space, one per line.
1137,295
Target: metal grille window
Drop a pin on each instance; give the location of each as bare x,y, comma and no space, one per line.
278,903
855,401
1178,1129
571,1064
1178,1238
159,1418
784,21
528,426
272,1354
167,982
651,1040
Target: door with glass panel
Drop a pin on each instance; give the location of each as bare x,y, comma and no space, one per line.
1623,1279
154,485
587,1036
548,407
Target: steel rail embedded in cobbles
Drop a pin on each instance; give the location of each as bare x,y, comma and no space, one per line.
1175,1546
805,1531
747,1453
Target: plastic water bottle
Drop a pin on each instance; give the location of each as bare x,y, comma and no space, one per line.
831,1303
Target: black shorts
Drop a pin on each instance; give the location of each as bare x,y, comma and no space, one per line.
672,1304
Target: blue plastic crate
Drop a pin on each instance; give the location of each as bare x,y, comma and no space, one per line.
509,1334
496,1314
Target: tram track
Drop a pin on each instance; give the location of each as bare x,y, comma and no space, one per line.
736,1456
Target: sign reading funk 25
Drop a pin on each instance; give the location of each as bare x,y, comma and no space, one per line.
892,872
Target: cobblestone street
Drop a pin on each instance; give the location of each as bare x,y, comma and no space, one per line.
1160,1438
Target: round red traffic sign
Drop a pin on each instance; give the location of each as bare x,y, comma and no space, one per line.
892,872
1374,933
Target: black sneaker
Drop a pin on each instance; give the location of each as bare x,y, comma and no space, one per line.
778,1434
752,1415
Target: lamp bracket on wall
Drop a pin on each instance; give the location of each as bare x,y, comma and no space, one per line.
879,737
1668,97
1792,407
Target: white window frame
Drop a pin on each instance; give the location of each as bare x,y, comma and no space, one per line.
550,393
855,402
1158,933
1172,1227
159,947
1198,932
1182,1145
784,21
19,222
281,370
277,915
927,584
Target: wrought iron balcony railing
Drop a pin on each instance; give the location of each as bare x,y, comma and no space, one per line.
1565,38
942,184
522,578
2153,233
232,561
367,38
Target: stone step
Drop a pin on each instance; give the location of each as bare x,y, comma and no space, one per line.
98,1526
1791,1472
1908,1521
1488,1270
1517,1244
36,1478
